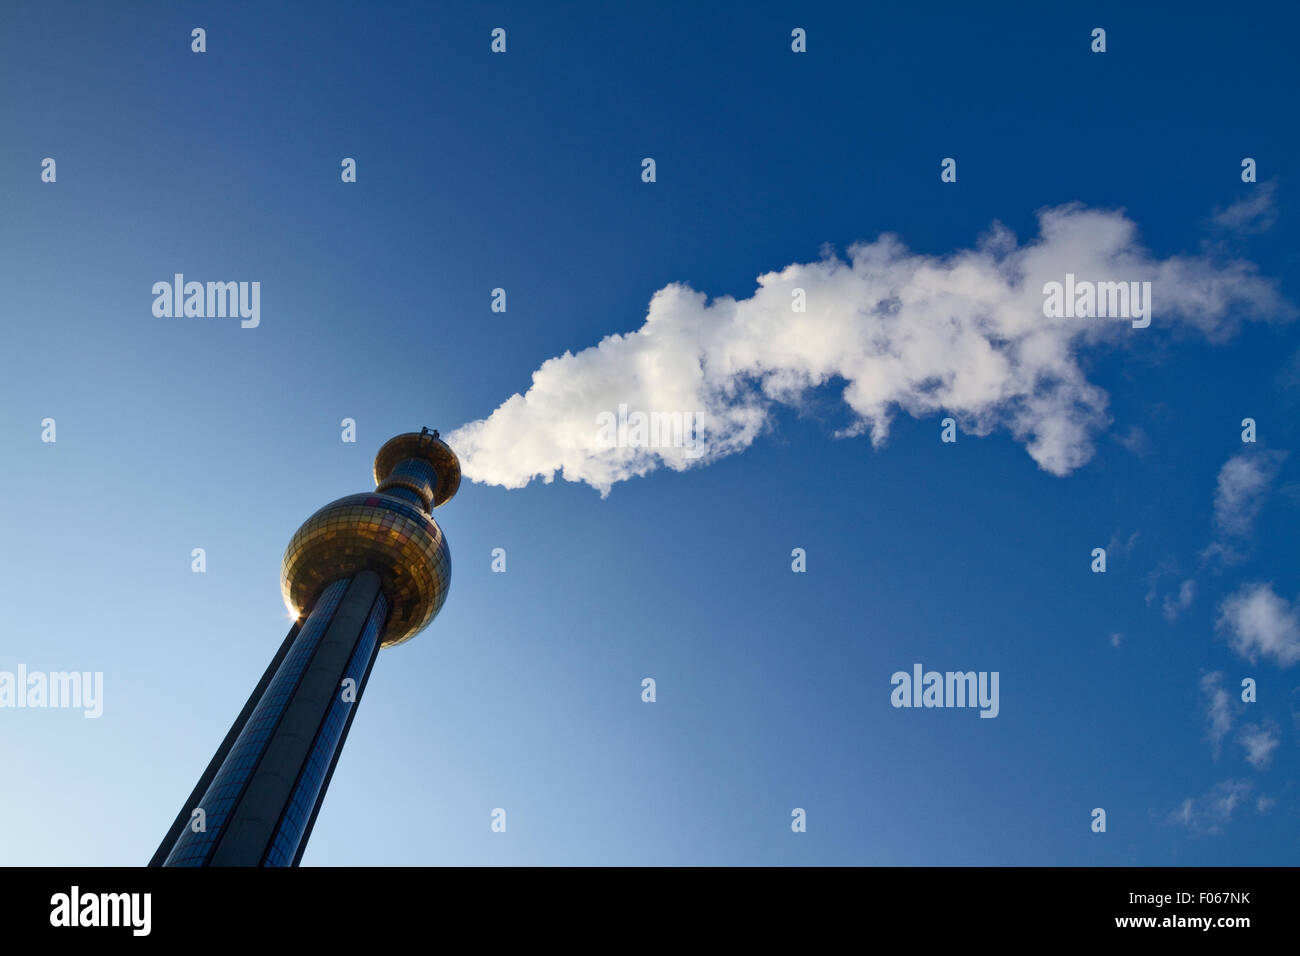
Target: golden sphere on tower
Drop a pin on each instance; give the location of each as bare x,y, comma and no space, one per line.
385,531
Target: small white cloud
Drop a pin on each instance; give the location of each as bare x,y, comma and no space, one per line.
1218,710
1265,804
1223,554
1176,605
1121,544
1116,639
1255,213
1223,800
1261,624
1260,742
1135,440
1243,485
1166,567
1213,810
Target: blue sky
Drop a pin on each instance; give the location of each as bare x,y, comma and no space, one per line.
523,171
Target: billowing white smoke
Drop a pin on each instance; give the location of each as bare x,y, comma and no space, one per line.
964,335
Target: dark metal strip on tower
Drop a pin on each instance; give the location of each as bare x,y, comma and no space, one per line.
338,752
194,848
187,809
310,784
251,827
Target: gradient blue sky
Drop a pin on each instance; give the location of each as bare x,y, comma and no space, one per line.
523,171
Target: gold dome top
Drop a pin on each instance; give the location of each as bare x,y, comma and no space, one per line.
388,531
427,446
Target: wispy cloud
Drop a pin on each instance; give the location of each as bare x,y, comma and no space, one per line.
900,332
1218,710
1135,439
1258,623
1175,605
1260,740
1255,213
1166,566
1213,810
1121,544
1243,485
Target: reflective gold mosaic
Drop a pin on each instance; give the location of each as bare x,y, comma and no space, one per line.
380,532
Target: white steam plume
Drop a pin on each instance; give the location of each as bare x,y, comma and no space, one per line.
963,335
